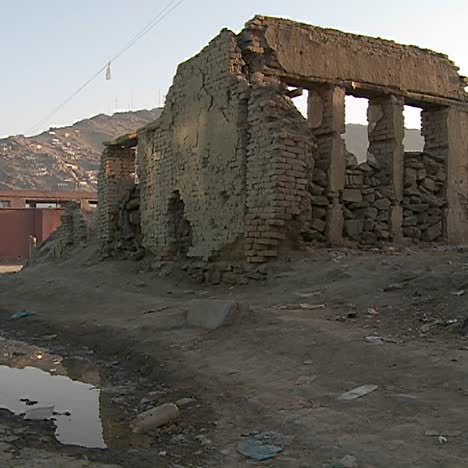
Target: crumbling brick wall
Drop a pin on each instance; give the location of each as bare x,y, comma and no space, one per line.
232,170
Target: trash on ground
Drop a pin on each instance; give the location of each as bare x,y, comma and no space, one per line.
155,417
40,413
458,293
443,433
377,340
374,310
263,446
442,440
306,379
394,287
357,392
307,294
301,306
22,314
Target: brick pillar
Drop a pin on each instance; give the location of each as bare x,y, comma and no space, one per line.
386,132
326,115
116,178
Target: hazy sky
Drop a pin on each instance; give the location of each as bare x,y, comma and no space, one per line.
48,48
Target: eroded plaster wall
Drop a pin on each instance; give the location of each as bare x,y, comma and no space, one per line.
197,156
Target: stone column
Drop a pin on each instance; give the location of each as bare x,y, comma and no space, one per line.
116,178
386,132
326,116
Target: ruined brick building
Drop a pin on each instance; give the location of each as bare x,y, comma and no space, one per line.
233,170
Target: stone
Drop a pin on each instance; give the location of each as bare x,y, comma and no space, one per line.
213,314
365,167
412,190
369,224
411,176
382,233
410,221
429,184
434,211
371,212
383,204
422,173
352,195
134,217
133,204
351,159
185,402
319,200
353,227
318,224
318,212
357,205
432,233
432,200
418,208
315,189
412,232
348,461
347,213
368,237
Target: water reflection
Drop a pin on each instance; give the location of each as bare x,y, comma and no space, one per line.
83,416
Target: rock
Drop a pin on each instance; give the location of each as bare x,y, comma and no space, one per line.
432,233
352,195
306,379
383,204
432,200
371,161
412,191
411,176
357,205
371,212
382,233
134,217
412,232
422,174
418,208
429,184
133,204
434,212
410,221
216,277
351,159
315,189
310,236
318,224
204,441
212,314
353,227
365,167
319,200
154,418
369,224
185,402
348,214
348,461
319,213
368,237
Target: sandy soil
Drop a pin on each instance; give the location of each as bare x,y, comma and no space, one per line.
247,377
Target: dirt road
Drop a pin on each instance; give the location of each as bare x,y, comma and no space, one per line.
282,366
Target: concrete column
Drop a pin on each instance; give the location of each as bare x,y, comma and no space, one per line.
115,180
386,132
326,116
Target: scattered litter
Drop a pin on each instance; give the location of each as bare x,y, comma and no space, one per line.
204,441
162,453
442,440
306,379
374,310
394,287
357,392
155,417
458,293
377,340
185,401
443,433
22,314
301,306
307,294
263,446
40,413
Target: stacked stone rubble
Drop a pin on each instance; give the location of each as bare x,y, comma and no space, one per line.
424,202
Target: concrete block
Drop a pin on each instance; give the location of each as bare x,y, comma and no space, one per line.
213,314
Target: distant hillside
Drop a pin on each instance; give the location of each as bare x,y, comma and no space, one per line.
65,158
357,141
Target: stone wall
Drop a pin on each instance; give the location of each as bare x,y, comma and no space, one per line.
424,201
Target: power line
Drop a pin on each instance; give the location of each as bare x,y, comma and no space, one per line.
166,11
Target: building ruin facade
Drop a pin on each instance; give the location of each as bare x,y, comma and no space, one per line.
232,169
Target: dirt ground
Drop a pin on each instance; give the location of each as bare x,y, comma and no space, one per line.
279,368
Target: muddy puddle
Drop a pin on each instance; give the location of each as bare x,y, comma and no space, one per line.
37,385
